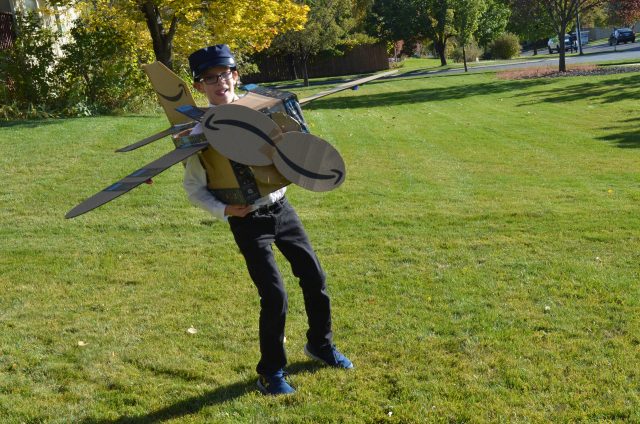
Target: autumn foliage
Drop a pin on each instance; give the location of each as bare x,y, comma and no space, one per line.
625,12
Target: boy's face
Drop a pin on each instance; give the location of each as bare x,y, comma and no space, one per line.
218,84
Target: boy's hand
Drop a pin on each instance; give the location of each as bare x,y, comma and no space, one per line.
237,210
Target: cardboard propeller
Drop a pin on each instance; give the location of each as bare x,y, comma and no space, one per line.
252,138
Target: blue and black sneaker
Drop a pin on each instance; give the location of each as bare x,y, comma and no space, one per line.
274,384
328,355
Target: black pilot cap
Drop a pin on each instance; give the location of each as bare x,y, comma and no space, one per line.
203,59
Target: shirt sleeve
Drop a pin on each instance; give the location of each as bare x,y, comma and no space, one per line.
195,184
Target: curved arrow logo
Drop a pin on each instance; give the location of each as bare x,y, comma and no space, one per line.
173,98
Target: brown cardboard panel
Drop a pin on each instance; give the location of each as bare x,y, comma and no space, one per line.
222,181
172,91
241,134
257,101
309,161
269,175
219,172
285,122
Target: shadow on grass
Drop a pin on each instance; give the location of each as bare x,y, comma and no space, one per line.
614,90
33,123
187,406
304,366
626,136
436,94
626,139
195,404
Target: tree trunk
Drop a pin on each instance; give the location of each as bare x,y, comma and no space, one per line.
305,73
562,63
162,39
535,50
464,59
293,72
440,49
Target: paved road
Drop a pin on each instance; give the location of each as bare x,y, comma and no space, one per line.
602,51
592,53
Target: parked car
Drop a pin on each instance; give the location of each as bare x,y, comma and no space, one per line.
569,45
622,35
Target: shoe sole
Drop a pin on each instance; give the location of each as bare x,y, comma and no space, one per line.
262,389
312,356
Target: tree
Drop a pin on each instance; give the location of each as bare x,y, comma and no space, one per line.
466,17
249,25
435,18
562,14
493,22
361,13
530,21
625,12
393,20
330,24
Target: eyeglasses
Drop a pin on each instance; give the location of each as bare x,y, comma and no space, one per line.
213,79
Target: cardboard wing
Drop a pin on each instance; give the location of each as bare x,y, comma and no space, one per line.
174,129
138,177
347,85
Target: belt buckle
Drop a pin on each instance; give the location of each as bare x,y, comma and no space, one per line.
261,210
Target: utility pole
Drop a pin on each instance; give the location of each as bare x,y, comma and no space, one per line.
579,32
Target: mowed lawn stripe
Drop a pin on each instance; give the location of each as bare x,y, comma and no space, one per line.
482,260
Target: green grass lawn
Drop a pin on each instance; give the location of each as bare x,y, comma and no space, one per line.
482,259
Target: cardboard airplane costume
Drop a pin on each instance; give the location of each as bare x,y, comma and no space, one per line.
250,148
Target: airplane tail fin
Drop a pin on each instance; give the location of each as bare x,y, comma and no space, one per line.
172,91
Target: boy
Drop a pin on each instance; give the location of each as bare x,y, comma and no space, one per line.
255,228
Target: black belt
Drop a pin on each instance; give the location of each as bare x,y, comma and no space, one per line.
271,207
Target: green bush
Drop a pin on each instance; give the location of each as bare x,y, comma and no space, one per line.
472,50
505,46
104,65
430,48
27,70
97,72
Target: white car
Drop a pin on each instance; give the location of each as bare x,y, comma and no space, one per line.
568,44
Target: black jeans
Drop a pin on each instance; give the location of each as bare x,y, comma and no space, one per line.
254,234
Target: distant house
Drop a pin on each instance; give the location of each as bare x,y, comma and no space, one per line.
56,18
7,31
